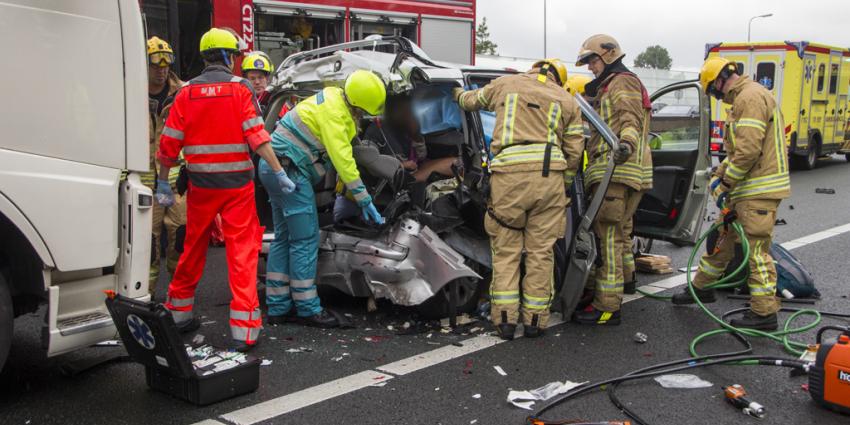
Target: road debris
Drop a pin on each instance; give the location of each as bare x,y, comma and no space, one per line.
208,322
656,264
376,338
476,396
640,338
198,339
299,350
825,191
684,381
526,399
780,222
266,362
500,371
467,369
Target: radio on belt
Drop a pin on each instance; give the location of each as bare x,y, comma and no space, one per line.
201,374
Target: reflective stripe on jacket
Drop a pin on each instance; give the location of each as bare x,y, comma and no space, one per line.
531,113
622,104
756,165
316,135
215,120
156,122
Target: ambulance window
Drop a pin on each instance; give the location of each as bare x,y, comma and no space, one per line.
833,78
765,74
740,66
821,71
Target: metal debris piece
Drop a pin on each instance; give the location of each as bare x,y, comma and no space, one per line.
265,362
208,322
825,191
641,338
500,371
299,350
526,399
476,396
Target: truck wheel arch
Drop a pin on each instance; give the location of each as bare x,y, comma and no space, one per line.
21,264
12,217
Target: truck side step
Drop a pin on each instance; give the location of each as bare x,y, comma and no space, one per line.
83,323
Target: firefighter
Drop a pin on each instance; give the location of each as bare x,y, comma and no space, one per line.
311,138
215,121
622,101
257,68
751,181
576,83
162,85
537,146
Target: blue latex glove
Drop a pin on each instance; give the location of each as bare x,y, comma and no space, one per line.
164,195
370,213
286,184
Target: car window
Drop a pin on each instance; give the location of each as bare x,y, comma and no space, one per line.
488,118
676,126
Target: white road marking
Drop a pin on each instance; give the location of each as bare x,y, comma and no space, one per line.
322,392
297,400
440,355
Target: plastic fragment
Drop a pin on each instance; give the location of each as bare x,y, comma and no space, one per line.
500,371
640,338
683,381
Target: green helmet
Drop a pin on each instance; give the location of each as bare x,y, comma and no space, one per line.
366,91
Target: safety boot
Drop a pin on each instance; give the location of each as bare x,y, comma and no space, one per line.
281,319
752,320
242,346
592,316
532,331
706,296
190,325
321,320
506,331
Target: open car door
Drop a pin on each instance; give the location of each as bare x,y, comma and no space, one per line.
674,209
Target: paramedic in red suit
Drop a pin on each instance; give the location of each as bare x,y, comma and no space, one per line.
215,121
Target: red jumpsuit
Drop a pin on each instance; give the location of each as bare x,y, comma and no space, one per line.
215,120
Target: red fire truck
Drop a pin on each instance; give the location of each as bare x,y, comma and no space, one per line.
445,29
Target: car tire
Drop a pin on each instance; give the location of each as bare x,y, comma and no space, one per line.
437,307
7,321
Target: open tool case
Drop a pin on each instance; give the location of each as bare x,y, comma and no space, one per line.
201,375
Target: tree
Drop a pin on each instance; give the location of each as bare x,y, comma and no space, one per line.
655,57
483,44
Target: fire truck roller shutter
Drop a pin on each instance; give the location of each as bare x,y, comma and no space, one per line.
441,38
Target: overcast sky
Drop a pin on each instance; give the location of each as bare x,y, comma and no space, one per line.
682,26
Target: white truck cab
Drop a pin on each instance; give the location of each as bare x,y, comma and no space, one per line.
71,225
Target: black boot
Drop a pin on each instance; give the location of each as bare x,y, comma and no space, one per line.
190,325
506,331
752,320
283,318
532,331
322,320
630,286
592,316
586,299
706,296
242,346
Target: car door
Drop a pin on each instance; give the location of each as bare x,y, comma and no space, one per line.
674,209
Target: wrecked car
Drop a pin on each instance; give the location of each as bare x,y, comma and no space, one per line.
433,252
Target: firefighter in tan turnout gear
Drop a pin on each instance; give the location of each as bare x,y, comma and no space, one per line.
536,150
751,181
622,101
162,85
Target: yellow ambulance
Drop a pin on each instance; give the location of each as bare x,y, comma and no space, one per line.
810,82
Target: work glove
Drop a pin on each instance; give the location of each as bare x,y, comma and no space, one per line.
370,213
286,184
164,195
719,191
456,93
622,154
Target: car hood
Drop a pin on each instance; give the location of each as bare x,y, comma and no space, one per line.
331,65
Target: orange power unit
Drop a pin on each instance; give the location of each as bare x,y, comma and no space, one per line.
829,378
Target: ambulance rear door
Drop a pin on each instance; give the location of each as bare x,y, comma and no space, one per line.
674,209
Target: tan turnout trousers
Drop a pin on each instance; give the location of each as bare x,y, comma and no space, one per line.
538,205
613,227
757,216
172,218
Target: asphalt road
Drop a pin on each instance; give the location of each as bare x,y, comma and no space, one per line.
461,390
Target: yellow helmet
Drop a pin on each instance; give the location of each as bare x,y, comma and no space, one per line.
257,61
159,52
219,39
712,69
602,45
554,64
575,83
366,91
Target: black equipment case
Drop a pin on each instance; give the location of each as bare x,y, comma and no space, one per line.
201,375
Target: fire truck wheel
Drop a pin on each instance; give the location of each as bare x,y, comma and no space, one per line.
7,320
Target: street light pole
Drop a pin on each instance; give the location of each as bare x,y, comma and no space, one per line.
544,29
750,24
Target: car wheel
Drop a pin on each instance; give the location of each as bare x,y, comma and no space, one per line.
437,307
7,321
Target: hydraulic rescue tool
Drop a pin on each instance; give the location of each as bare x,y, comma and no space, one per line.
737,396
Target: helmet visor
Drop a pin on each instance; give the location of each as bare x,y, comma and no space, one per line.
161,59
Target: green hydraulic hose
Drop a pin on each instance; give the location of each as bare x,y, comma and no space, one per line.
730,281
